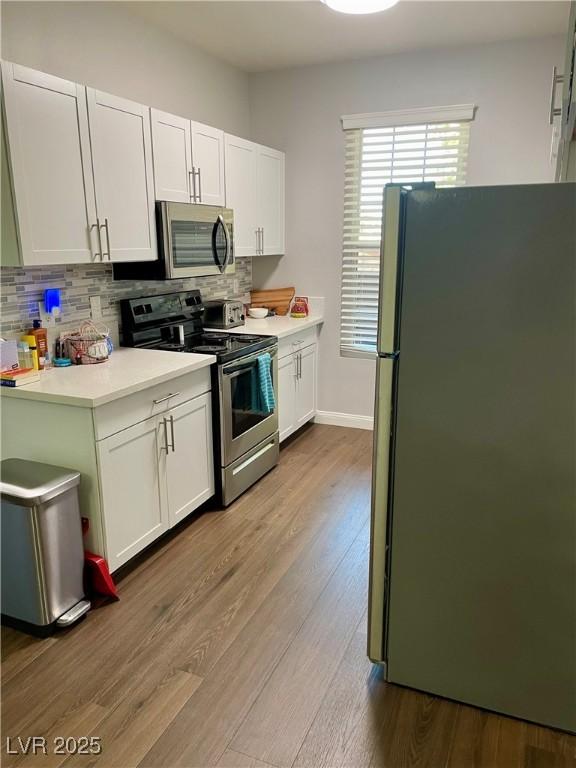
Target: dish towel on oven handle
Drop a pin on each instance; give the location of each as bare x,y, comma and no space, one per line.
265,388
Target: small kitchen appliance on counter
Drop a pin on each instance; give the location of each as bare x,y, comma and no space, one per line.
42,550
245,426
222,313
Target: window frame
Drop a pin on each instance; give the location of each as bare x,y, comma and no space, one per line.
397,120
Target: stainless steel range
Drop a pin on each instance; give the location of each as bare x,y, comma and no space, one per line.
246,442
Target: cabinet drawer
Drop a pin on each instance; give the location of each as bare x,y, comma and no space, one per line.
126,411
297,341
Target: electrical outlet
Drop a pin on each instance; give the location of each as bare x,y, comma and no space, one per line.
95,307
47,318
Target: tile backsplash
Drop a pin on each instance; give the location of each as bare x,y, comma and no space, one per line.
22,289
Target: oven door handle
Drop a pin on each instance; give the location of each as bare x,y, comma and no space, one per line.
220,224
231,369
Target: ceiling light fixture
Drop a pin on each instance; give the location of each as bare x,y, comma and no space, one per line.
359,6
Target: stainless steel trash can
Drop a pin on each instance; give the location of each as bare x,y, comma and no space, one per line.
42,549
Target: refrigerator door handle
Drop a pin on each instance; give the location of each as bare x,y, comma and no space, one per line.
389,304
381,480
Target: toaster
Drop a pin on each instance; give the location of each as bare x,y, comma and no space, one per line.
223,314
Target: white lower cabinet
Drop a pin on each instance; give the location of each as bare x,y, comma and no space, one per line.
287,395
297,384
132,467
306,386
189,462
153,474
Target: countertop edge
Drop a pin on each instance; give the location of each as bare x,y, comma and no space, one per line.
299,324
23,393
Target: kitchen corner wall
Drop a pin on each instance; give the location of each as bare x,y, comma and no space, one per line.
142,63
299,110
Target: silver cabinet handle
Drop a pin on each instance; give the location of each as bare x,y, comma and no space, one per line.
258,241
105,227
199,185
262,241
299,365
192,180
97,254
163,399
295,360
556,80
173,446
165,446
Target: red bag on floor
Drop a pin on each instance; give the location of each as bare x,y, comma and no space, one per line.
97,579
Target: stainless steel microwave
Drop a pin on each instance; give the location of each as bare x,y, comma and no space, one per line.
193,241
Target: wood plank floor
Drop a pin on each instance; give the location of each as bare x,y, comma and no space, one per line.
240,643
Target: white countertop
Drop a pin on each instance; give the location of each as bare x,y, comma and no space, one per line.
127,371
280,325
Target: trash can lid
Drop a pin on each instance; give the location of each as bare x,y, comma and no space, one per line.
28,483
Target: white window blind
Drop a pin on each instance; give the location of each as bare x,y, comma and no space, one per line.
433,151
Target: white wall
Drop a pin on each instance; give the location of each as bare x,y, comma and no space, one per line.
105,45
298,110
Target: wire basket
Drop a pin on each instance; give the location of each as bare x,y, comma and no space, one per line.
89,344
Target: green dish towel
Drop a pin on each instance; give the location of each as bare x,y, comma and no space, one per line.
265,389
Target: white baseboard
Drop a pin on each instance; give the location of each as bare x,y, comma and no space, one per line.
344,420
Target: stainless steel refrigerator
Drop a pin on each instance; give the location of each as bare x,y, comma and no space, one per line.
473,574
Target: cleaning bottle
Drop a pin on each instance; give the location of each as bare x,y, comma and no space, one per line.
31,342
41,336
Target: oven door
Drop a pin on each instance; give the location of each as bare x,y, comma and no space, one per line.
196,240
243,424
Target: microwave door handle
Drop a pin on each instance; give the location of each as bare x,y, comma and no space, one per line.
220,223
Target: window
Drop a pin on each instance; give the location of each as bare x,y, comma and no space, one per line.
388,147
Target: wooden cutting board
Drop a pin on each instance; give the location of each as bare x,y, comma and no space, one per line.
278,299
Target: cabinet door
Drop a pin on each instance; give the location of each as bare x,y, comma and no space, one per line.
208,161
172,153
287,372
241,195
131,467
190,461
306,390
49,149
122,156
271,200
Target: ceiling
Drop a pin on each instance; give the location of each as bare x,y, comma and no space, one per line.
272,34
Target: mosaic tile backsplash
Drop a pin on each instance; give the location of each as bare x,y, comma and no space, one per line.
22,288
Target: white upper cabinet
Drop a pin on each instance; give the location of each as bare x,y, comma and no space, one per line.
122,162
49,148
241,192
271,200
208,164
86,169
188,160
172,149
255,191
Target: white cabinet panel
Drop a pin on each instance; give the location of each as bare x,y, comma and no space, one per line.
122,161
297,385
131,466
189,461
172,150
49,146
287,395
271,200
208,162
306,396
241,192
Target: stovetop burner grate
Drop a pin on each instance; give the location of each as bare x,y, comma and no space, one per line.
246,338
209,349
